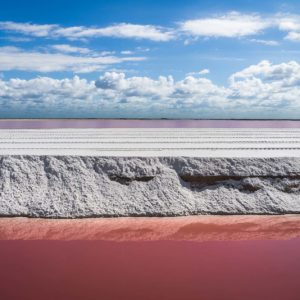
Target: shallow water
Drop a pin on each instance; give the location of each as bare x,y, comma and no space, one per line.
249,257
117,123
150,270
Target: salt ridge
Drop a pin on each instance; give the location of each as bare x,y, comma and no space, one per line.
58,180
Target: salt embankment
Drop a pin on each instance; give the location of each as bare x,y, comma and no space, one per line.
162,172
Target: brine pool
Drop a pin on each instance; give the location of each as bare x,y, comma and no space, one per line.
229,257
208,257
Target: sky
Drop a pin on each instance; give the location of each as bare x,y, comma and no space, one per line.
150,59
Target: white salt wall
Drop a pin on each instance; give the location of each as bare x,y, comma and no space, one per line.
86,186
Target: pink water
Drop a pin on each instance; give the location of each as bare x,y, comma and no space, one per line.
116,123
234,258
89,270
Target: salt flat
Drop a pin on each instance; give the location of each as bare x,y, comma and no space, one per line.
156,142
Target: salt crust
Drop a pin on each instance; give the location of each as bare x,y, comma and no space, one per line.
90,186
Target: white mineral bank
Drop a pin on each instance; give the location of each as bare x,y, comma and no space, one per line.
152,142
68,173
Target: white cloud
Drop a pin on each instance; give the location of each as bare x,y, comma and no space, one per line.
237,25
293,36
204,72
290,24
265,42
70,49
264,89
28,28
12,58
267,85
135,86
201,72
127,52
112,92
229,25
122,30
284,73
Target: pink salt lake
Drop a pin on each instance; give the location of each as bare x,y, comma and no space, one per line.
232,257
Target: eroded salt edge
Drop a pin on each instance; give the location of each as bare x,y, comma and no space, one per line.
75,186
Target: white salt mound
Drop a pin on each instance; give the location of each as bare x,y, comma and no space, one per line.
70,173
91,186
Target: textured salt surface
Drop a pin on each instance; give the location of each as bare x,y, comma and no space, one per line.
215,172
153,142
68,187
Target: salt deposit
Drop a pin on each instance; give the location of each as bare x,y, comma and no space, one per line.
149,172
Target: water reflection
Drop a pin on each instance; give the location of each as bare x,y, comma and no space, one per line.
251,257
194,228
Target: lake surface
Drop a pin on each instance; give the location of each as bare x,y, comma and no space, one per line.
150,270
121,123
207,258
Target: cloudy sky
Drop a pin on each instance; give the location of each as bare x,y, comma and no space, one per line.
153,59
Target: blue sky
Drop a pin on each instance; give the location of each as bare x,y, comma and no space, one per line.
171,59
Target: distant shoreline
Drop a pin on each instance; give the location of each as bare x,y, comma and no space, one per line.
138,119
146,123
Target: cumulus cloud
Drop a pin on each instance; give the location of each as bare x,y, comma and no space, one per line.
122,30
135,86
12,58
284,73
264,89
162,91
268,85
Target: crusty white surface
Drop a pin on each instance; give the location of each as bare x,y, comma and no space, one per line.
156,142
68,173
83,186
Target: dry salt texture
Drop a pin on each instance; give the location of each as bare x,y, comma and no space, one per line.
75,173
